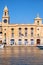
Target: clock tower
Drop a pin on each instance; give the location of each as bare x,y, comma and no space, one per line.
5,17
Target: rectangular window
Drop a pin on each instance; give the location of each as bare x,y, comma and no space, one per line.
19,34
4,40
31,34
0,29
26,34
5,35
38,35
12,34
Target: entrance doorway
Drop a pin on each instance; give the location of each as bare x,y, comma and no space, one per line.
38,41
12,41
19,41
26,41
32,41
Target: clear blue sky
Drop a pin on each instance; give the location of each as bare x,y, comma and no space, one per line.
22,11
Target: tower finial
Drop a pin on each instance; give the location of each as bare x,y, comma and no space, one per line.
5,8
38,15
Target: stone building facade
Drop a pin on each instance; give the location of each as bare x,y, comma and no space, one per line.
20,34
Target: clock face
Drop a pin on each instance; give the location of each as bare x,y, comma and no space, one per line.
5,20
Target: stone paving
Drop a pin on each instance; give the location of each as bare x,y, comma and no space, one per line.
21,56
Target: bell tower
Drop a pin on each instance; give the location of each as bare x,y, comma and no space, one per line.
5,17
38,20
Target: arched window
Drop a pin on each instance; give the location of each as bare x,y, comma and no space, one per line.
12,29
32,31
5,13
12,32
31,28
38,22
26,28
20,28
20,33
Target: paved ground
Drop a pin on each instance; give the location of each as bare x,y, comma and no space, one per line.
21,56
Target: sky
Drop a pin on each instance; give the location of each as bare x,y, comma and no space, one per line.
22,11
